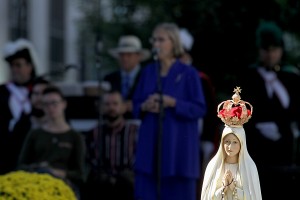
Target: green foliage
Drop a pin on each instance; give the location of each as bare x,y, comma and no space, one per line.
224,31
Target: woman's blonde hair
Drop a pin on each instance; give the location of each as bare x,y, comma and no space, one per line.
173,32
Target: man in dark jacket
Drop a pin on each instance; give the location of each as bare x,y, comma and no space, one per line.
273,131
129,54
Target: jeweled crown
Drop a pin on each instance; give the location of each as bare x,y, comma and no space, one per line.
234,112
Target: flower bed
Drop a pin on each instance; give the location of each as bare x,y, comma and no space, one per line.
21,185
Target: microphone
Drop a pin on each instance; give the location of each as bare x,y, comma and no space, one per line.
155,52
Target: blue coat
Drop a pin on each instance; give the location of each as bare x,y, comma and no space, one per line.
180,141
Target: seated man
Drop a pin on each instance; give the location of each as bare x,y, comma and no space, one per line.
38,117
110,152
55,147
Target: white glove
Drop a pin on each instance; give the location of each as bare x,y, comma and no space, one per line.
269,130
207,148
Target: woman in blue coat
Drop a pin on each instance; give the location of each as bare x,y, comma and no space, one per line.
177,161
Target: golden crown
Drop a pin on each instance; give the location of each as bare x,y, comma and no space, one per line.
234,112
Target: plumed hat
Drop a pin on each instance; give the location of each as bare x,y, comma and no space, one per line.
268,34
21,48
186,38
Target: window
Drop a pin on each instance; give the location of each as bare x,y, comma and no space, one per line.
57,32
18,19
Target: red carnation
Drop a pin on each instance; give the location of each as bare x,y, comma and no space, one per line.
236,112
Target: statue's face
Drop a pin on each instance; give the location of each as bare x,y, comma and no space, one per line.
232,145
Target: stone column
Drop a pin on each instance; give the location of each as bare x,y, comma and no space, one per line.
38,32
4,70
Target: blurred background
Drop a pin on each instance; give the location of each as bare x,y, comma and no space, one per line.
72,36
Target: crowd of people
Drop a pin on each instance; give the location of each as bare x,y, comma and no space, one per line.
159,137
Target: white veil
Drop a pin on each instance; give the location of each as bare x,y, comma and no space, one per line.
249,174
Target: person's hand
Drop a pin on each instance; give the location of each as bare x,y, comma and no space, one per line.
58,172
150,105
269,130
168,101
127,175
228,177
152,102
128,106
43,164
228,180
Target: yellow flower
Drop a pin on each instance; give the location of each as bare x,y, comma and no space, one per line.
21,185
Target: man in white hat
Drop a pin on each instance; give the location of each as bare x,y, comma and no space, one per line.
130,54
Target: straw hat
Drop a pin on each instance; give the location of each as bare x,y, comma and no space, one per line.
129,44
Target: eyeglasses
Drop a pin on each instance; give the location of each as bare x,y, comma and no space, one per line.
51,103
37,93
157,39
